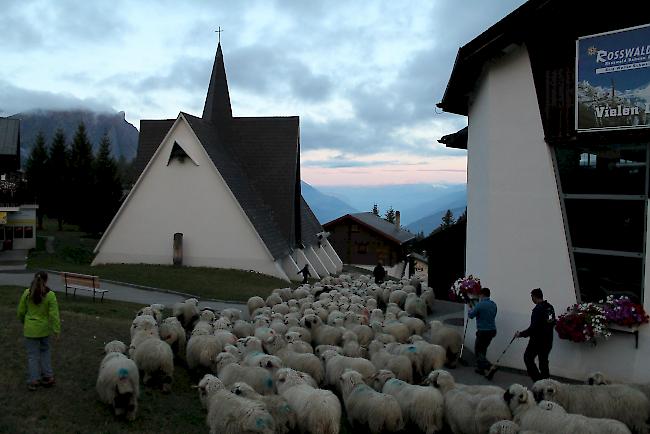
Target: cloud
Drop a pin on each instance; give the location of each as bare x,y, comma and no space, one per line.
16,100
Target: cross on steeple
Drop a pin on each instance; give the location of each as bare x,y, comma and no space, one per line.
219,32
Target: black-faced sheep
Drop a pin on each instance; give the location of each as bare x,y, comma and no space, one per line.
609,401
118,381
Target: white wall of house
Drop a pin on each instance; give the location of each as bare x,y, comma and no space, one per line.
187,198
515,235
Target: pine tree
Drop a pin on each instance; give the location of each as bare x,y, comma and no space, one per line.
81,178
58,182
447,219
375,210
107,188
36,175
390,215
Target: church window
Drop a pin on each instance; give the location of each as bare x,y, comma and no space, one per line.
18,231
28,232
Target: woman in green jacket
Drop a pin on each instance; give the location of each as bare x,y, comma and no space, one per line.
39,312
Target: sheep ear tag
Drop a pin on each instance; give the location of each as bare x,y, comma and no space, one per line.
123,373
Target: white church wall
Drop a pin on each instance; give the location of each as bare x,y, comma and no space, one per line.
193,200
316,262
325,259
301,260
290,268
332,254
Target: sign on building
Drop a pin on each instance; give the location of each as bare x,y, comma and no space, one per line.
613,80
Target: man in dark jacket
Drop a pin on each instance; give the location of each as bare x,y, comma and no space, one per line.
540,332
485,312
380,273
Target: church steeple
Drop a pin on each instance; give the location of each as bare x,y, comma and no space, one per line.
217,103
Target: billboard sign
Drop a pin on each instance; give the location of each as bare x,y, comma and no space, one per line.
613,80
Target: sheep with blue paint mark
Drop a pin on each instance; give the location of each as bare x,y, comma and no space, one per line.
232,414
230,372
118,381
278,407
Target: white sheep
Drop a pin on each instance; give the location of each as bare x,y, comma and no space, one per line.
399,365
283,415
172,332
428,298
467,409
397,329
448,338
351,347
318,410
230,372
144,323
232,314
255,303
397,297
118,381
599,378
242,328
153,357
187,312
528,415
416,326
336,364
609,401
431,356
422,406
415,307
365,406
296,344
202,350
322,334
304,362
232,414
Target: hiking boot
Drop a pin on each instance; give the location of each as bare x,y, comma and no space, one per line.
32,386
48,382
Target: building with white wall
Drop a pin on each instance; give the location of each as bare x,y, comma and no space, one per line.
231,187
552,204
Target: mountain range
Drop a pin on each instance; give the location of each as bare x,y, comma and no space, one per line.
122,134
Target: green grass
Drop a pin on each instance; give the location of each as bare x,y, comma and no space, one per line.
74,253
72,405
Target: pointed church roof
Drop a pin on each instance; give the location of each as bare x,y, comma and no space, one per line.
217,103
258,157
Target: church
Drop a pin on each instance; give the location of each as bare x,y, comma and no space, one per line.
219,191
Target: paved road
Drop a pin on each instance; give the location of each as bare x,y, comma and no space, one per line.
120,292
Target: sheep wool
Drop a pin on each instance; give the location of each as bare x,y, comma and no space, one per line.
363,405
618,402
118,381
318,410
156,359
283,415
421,406
232,414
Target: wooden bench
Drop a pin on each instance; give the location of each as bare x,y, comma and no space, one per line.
84,282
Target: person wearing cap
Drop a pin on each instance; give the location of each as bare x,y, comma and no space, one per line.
540,332
485,312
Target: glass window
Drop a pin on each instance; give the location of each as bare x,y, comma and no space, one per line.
28,232
18,231
606,224
2,232
612,169
602,275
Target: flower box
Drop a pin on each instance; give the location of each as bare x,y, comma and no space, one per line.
627,329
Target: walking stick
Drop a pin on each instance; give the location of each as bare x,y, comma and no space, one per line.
493,369
462,345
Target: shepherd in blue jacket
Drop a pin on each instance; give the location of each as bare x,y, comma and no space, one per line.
485,312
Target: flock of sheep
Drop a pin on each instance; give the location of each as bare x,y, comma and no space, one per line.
350,344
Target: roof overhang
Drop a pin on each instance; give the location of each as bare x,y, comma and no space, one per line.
498,39
457,140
